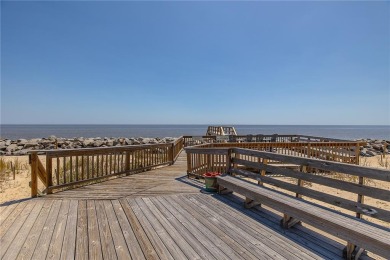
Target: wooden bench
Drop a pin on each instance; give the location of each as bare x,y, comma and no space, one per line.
358,233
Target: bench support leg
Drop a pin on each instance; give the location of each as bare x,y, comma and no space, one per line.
249,203
287,221
352,252
222,190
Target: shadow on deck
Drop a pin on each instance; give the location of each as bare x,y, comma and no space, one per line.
152,215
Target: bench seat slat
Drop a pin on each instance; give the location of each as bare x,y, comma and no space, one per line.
354,231
331,199
341,218
373,192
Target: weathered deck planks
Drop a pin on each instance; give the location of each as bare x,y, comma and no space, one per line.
161,181
82,231
152,215
32,239
185,226
94,245
55,242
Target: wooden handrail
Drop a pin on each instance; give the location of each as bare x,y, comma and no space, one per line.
254,164
194,140
67,168
347,152
351,169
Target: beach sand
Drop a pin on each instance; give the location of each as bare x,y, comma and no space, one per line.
19,188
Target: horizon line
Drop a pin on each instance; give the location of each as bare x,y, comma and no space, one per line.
1,124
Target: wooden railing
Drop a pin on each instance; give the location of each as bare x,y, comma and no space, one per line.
346,152
202,160
345,177
195,140
221,130
177,147
68,168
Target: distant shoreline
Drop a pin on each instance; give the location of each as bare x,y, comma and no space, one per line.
23,146
346,132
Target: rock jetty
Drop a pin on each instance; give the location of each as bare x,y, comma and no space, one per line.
23,146
374,147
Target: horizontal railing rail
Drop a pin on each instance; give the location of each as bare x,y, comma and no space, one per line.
67,168
177,147
221,130
348,178
347,152
275,138
196,140
202,160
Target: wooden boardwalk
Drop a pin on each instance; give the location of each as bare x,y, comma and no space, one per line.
158,214
161,181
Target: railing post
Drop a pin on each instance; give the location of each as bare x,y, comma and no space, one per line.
49,175
263,172
34,174
357,154
189,163
208,162
172,153
127,161
302,168
229,160
360,198
308,150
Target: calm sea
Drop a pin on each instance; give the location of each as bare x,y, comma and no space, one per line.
38,131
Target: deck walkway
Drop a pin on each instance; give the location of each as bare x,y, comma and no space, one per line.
158,214
161,181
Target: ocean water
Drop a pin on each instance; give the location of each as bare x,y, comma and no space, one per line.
348,132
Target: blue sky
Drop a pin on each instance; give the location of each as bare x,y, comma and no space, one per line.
195,62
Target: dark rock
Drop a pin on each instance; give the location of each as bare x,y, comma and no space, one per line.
31,143
145,140
22,142
98,143
377,147
153,141
127,141
363,152
88,142
370,152
12,148
24,151
46,143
